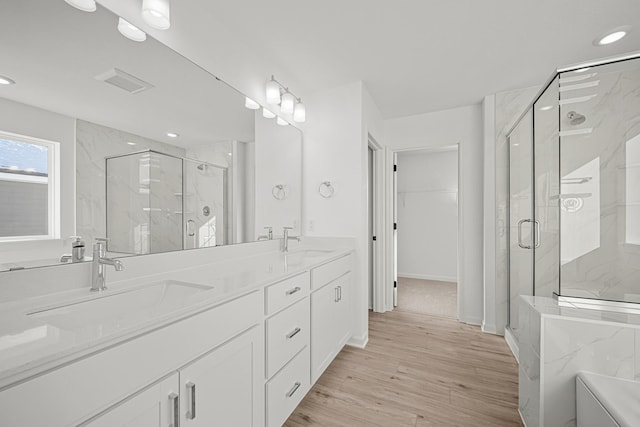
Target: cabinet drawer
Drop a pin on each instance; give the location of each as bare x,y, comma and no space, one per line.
287,334
324,274
284,293
286,390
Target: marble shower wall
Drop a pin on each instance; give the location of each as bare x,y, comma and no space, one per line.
93,144
600,161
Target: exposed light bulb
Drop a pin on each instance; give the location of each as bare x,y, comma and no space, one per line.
267,114
6,81
288,103
282,122
83,5
273,92
299,113
157,13
251,104
130,31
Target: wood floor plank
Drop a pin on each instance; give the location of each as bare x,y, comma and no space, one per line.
417,370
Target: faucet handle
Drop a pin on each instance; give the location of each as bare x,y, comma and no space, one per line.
268,228
102,239
288,228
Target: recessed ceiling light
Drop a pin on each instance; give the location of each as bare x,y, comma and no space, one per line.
582,70
130,31
6,81
83,5
131,143
612,36
172,135
546,108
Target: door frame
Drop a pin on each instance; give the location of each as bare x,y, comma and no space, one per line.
387,285
379,265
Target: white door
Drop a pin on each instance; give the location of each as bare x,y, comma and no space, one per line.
395,229
223,387
157,406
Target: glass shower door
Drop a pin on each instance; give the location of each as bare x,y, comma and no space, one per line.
521,224
205,201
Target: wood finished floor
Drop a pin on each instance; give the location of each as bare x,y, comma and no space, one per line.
417,370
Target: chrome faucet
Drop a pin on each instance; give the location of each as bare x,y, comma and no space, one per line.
286,238
77,251
98,272
268,236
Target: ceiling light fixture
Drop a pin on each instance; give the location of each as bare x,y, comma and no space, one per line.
131,143
6,81
83,5
172,134
278,94
157,13
612,36
251,104
282,122
267,114
130,31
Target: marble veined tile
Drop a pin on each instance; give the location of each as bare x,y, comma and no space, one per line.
572,346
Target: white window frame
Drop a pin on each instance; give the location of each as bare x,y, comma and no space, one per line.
53,186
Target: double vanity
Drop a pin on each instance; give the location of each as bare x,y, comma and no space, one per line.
237,342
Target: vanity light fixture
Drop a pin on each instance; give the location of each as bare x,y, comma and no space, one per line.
612,36
130,31
4,80
267,114
282,122
288,103
157,13
172,134
83,5
251,104
299,113
277,93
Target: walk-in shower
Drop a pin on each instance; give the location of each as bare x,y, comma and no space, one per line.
574,189
158,202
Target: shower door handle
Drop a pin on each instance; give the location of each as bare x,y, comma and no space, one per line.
523,246
536,226
191,228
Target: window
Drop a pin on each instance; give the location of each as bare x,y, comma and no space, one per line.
29,188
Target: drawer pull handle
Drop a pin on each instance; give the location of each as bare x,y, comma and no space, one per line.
175,400
191,388
293,291
336,297
293,333
295,388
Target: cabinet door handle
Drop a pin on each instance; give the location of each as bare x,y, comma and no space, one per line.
191,388
335,298
339,293
293,291
293,333
175,400
293,390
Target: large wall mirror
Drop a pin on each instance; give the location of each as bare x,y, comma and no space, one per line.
102,136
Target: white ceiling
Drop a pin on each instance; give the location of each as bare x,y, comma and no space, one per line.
417,56
54,52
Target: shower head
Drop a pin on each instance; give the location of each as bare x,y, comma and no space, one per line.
575,118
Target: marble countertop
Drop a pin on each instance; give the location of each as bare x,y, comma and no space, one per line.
29,345
551,307
620,397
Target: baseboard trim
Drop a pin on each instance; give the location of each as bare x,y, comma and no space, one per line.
489,329
358,342
429,277
471,320
512,344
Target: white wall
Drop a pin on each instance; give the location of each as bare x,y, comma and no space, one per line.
427,203
35,122
461,126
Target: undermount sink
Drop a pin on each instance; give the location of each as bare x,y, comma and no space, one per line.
121,308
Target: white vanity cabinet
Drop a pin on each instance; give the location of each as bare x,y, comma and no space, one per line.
330,312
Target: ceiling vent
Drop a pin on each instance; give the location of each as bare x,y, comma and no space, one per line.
124,81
